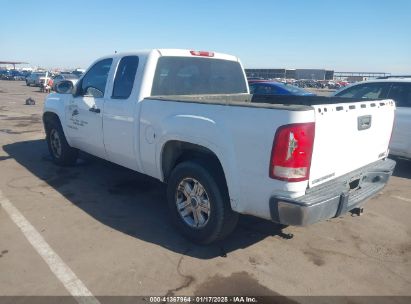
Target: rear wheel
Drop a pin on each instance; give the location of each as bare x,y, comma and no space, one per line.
199,204
59,149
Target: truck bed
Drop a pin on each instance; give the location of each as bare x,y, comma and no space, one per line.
240,100
349,133
283,102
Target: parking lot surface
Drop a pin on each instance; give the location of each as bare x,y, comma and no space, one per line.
110,226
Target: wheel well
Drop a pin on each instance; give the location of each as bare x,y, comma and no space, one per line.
50,116
175,152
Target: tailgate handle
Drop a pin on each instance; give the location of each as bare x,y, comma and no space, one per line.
364,122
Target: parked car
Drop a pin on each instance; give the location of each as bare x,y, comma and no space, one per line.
398,89
307,83
20,76
78,72
34,78
26,73
64,76
44,82
277,88
5,75
13,75
2,72
186,118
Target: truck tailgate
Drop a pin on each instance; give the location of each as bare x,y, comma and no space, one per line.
349,136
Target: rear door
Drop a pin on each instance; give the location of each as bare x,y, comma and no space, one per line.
401,137
349,136
119,119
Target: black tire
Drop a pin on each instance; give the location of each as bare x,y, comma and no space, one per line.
67,155
222,220
27,84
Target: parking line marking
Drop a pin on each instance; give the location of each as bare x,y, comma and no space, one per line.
60,269
401,198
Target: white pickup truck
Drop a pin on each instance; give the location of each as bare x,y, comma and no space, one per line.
187,119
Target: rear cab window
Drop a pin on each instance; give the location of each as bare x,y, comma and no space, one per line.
125,75
191,76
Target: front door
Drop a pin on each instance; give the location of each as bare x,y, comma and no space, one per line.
84,112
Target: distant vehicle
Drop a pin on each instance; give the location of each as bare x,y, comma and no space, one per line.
44,82
344,83
12,75
25,73
277,88
64,76
18,75
4,74
400,91
78,73
34,79
332,85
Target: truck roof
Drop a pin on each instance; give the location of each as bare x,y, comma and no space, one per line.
174,52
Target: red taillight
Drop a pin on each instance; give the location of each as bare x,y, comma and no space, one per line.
292,151
202,53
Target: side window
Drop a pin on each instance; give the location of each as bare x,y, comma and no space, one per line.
272,90
252,88
366,90
259,89
94,82
401,94
266,90
125,75
350,92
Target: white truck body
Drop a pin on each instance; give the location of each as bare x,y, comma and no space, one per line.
141,131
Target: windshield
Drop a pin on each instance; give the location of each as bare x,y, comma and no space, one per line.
370,90
191,76
70,76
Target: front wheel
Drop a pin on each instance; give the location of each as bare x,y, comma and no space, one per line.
60,151
199,203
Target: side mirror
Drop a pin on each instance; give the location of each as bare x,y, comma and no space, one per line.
64,87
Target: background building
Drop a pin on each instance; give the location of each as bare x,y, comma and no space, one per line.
266,73
315,74
359,76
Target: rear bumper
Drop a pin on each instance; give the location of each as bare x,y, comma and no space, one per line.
333,198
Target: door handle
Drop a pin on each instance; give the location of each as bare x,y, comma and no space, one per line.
95,110
364,122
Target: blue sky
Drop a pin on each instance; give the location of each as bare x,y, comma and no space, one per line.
343,35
